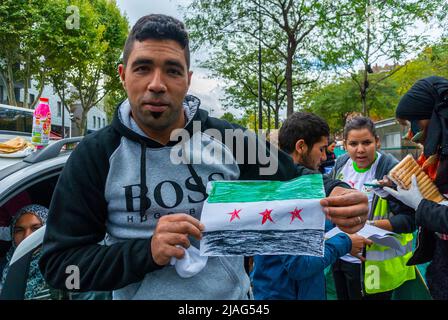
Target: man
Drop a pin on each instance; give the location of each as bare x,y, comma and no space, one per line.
424,108
328,163
123,181
304,136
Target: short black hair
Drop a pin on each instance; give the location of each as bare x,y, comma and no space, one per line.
358,123
302,125
159,27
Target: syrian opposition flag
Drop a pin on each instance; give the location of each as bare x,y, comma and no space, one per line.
264,217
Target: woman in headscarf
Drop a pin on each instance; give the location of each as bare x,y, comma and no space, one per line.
26,221
425,109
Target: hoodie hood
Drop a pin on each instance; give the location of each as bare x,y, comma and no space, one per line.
126,125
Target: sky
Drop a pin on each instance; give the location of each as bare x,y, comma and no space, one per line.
202,86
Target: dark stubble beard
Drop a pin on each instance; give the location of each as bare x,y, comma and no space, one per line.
160,120
306,160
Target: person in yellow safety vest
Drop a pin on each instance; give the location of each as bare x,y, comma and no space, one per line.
380,269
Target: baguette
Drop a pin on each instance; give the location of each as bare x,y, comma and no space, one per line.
403,172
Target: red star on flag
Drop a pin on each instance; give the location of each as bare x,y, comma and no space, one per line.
266,216
234,214
296,214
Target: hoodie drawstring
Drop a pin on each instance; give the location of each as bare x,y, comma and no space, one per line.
198,180
143,187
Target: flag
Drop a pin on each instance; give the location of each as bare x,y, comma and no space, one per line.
264,217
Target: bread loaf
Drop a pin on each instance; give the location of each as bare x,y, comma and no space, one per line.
403,172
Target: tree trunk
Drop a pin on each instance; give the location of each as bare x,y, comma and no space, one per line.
83,123
365,85
364,101
269,117
10,85
41,89
277,111
5,83
26,82
25,93
288,78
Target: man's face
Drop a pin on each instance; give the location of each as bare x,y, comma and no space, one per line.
312,157
26,225
416,127
156,79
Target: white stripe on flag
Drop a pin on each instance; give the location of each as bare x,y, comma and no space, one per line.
264,215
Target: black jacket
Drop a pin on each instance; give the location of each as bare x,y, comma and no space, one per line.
431,217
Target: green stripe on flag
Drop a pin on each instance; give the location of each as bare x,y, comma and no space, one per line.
305,187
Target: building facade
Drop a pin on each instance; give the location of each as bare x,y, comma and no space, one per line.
96,117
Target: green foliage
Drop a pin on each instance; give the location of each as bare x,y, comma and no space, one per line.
338,100
80,62
228,116
432,61
289,32
379,31
111,101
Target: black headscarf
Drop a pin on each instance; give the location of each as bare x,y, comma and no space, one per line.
428,99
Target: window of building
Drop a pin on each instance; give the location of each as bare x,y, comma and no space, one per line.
59,109
17,94
94,122
392,140
104,122
32,98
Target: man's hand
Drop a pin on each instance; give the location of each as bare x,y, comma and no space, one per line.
358,243
172,230
347,208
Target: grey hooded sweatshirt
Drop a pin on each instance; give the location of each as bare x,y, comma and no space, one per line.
118,182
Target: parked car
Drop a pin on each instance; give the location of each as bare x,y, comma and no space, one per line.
33,178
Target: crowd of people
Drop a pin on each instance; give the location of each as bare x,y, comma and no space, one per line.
123,227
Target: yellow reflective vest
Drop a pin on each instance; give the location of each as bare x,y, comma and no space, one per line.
385,267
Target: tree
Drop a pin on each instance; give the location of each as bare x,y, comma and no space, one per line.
228,116
380,31
338,100
237,65
96,74
20,44
432,60
79,62
111,100
289,28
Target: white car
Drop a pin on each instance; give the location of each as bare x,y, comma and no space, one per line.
33,178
